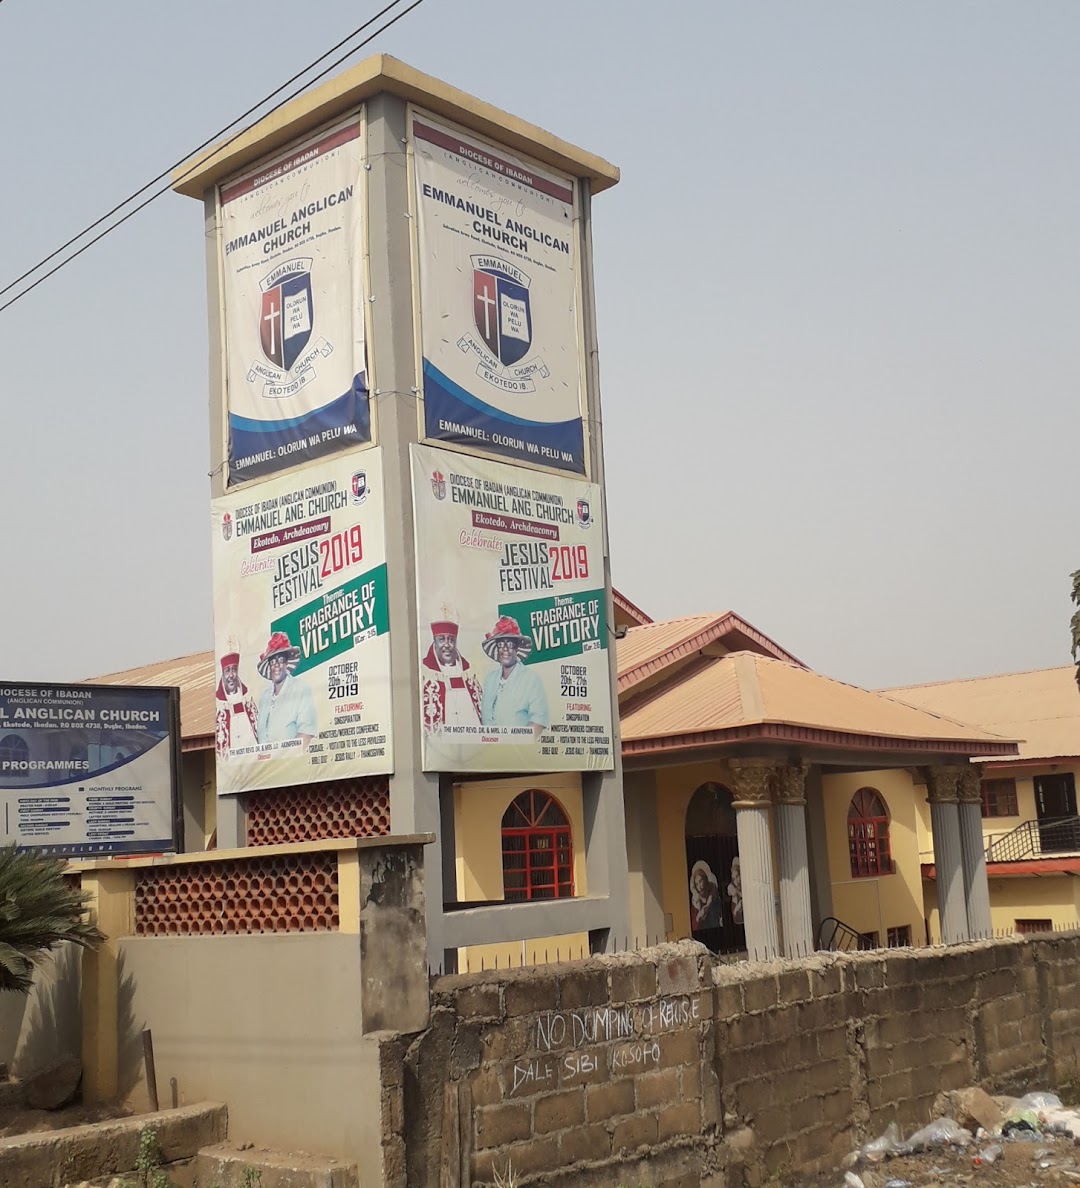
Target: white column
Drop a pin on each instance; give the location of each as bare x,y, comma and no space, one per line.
945,822
752,780
973,854
794,864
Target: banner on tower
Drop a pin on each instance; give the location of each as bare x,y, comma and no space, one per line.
302,628
500,306
290,250
513,629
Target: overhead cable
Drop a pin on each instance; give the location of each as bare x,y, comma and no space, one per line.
206,143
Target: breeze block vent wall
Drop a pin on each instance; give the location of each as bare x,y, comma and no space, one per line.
312,812
275,893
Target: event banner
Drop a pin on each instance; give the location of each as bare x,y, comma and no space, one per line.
499,301
291,259
302,628
513,622
89,769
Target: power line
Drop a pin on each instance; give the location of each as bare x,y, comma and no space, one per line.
206,143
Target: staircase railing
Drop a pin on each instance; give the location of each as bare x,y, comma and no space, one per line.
841,937
1037,839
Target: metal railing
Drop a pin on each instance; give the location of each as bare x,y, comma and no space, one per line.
841,937
1037,839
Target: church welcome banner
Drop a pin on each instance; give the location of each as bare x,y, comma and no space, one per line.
89,770
497,260
302,628
291,257
513,622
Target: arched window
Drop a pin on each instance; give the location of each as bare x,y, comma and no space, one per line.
14,749
868,835
709,813
537,849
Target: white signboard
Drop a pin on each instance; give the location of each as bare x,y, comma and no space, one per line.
302,628
500,334
290,252
513,623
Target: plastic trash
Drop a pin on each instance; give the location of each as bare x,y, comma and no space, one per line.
1039,1101
1018,1120
942,1132
988,1155
853,1181
1061,1121
887,1143
1022,1136
897,1184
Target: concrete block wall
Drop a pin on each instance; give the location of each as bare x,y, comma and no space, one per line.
667,1068
575,1072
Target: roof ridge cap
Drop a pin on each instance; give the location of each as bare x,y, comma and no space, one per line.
991,676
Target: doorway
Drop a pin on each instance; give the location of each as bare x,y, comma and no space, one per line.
1055,807
714,879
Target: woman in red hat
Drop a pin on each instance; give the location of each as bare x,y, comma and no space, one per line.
513,694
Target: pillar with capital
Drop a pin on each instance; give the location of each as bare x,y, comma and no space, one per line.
794,863
942,784
973,852
753,780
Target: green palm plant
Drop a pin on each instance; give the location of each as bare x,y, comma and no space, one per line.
38,910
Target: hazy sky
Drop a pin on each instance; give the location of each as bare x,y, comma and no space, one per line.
837,291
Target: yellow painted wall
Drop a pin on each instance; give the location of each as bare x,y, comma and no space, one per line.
889,901
1036,897
546,950
1052,897
478,810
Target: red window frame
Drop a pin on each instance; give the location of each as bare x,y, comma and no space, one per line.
868,835
1031,927
999,798
537,848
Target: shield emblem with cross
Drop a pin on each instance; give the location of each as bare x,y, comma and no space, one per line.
501,312
285,319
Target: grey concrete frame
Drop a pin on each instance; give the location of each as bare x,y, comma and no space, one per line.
422,801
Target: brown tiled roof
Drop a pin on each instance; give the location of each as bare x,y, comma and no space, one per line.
634,613
745,695
1041,707
197,679
646,651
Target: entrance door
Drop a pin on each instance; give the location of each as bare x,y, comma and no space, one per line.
1055,806
714,882
716,919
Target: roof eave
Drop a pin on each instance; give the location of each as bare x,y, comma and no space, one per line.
1026,761
783,732
690,645
383,73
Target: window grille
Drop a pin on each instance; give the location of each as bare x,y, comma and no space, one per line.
537,848
868,835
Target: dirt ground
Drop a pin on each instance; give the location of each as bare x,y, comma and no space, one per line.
22,1121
